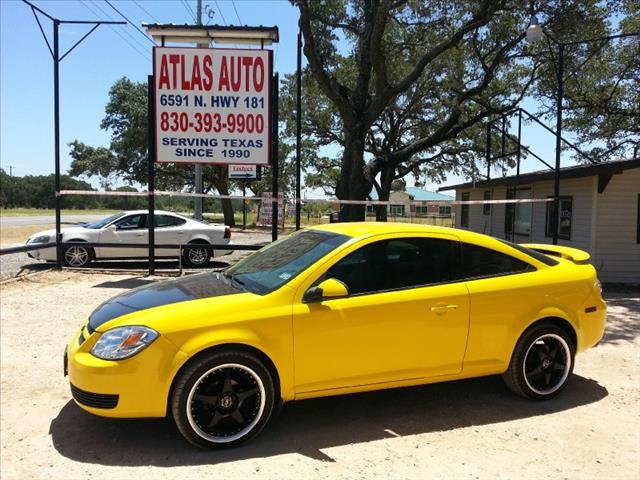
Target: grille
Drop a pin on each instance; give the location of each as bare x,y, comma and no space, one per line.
95,400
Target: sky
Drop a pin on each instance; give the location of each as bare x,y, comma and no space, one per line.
108,54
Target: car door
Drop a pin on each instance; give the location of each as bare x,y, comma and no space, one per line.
130,229
404,317
169,230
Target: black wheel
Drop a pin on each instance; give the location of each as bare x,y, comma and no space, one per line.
77,256
196,257
223,399
541,362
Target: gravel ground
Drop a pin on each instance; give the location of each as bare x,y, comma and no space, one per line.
465,429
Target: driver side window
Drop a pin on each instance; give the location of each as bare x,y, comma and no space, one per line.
396,264
131,222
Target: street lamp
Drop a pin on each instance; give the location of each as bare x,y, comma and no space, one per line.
535,32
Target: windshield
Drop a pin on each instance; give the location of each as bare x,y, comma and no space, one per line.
279,262
105,221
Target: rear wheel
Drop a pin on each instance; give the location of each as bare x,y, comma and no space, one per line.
77,256
196,257
223,399
541,363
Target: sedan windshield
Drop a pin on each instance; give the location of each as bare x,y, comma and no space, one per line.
104,222
279,262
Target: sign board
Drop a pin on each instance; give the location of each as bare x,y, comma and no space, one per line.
266,210
243,172
212,105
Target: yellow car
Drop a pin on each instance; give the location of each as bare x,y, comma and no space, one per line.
332,310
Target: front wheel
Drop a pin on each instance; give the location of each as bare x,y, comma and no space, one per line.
541,363
223,399
77,256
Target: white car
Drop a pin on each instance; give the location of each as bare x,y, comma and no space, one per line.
132,227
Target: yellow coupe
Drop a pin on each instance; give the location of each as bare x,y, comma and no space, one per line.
333,310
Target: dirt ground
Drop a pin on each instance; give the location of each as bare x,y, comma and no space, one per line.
467,429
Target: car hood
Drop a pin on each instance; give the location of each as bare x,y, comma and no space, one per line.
193,287
64,231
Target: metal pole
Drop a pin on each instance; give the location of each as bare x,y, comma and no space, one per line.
274,159
519,145
151,157
298,127
556,182
56,129
197,210
488,154
244,204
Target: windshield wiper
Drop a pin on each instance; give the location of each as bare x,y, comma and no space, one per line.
233,279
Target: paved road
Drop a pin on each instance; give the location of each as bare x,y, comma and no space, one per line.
29,220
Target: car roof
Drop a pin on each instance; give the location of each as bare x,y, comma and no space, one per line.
365,229
163,212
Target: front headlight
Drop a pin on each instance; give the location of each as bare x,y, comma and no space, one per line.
40,239
123,342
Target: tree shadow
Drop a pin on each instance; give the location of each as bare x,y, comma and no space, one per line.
125,283
623,317
307,427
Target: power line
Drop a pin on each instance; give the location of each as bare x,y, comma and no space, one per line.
189,10
234,7
224,20
130,22
146,11
124,29
143,55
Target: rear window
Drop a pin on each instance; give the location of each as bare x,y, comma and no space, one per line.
541,257
478,262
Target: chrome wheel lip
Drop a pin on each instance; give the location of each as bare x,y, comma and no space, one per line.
567,367
76,256
245,430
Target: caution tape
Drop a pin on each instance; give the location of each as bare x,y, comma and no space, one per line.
303,200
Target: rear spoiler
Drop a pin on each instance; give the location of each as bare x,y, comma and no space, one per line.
573,254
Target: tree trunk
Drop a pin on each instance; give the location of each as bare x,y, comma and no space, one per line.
352,184
386,179
222,185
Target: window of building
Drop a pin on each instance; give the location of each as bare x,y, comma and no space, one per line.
518,215
486,208
422,209
396,264
483,262
444,210
464,211
564,221
396,210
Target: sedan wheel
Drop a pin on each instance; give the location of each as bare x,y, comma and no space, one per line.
77,256
223,400
542,362
197,257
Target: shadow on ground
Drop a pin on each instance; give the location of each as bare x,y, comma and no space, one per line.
307,427
623,317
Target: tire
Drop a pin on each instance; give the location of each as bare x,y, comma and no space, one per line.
196,257
541,363
77,257
222,400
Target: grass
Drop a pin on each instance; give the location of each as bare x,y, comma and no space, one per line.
10,236
32,212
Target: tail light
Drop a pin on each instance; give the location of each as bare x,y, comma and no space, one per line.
227,232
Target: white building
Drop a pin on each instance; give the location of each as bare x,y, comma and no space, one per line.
599,213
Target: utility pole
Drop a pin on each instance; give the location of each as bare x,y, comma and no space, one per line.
197,213
11,170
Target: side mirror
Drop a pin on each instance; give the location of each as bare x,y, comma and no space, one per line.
111,228
326,290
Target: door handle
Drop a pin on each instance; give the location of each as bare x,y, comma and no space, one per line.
139,234
443,308
180,231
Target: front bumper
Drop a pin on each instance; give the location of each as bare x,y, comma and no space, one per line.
133,387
